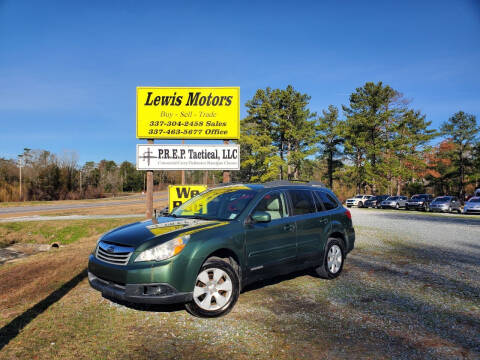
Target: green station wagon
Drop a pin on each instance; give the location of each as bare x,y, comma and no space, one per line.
208,249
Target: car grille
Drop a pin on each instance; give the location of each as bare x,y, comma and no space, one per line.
113,254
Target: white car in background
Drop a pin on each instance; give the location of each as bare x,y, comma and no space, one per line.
358,200
472,206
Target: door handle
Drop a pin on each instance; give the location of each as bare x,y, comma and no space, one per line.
323,221
289,227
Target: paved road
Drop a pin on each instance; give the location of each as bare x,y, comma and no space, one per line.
99,203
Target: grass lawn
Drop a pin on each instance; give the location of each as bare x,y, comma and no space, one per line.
392,301
62,232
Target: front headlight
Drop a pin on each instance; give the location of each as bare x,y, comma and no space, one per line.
165,250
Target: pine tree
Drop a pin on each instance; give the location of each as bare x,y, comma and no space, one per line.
329,139
462,129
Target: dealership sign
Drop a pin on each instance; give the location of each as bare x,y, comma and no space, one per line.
188,157
188,113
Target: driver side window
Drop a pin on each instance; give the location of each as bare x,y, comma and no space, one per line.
274,204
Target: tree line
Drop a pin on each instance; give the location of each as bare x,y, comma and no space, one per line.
376,143
47,176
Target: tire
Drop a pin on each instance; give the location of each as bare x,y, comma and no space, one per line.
208,306
397,206
407,208
332,267
449,209
360,204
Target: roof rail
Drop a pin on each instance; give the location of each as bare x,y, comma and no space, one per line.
293,183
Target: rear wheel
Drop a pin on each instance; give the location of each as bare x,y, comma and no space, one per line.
333,260
216,289
407,208
360,204
397,206
449,209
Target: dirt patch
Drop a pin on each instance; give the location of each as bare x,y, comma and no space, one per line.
18,251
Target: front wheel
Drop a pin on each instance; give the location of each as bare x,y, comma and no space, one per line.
216,289
333,260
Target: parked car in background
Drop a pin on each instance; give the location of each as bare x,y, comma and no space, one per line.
394,202
477,192
419,202
445,204
375,201
358,200
472,206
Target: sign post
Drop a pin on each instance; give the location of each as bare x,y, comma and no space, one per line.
226,174
149,195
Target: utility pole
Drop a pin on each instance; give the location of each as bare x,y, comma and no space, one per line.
20,165
226,174
149,196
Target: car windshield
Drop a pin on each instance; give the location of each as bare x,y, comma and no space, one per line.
442,199
359,197
474,200
392,198
224,203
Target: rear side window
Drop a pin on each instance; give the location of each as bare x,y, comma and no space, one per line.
302,202
328,201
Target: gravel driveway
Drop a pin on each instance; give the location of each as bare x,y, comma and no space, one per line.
420,276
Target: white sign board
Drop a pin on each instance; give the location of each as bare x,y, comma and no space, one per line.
188,157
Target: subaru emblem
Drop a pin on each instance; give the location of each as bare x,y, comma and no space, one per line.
111,249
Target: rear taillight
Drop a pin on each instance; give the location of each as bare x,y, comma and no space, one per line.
348,214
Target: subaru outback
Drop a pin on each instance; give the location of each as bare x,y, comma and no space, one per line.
208,249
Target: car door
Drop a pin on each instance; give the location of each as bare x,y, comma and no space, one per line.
270,246
309,222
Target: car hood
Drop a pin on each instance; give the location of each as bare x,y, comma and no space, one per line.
138,233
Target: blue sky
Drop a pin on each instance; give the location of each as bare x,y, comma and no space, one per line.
68,70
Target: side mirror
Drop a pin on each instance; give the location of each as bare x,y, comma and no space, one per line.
261,217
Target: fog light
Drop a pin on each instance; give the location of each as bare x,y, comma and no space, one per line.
153,290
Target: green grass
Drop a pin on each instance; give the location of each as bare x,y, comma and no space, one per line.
63,232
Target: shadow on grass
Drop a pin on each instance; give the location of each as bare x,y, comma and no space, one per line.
13,328
168,308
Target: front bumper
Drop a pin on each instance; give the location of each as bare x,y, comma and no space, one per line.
139,293
439,209
471,211
392,206
416,205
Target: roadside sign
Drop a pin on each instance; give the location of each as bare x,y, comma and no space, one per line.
188,113
188,157
178,194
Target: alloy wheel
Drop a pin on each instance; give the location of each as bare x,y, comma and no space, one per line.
213,289
334,259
